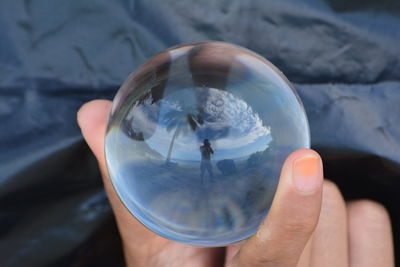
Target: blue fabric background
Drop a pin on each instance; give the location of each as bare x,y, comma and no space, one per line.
343,57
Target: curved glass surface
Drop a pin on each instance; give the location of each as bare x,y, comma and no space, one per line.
196,140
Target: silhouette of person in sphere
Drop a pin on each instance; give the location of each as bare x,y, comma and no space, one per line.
205,164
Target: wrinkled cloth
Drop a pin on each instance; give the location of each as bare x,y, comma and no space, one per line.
343,57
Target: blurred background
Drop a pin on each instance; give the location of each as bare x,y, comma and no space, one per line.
342,56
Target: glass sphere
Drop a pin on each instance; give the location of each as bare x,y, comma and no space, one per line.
196,140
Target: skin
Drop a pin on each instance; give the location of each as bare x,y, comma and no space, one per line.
309,223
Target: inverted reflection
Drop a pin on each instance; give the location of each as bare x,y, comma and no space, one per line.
196,140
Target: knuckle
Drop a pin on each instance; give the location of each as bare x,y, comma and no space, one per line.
262,260
300,228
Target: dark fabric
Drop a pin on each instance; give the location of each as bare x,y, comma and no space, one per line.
342,56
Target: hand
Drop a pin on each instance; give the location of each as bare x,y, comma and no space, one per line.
309,223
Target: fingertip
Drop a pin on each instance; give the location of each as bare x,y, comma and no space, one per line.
303,170
92,111
92,119
301,153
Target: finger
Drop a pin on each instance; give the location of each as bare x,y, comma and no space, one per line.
370,235
293,215
305,256
92,118
330,242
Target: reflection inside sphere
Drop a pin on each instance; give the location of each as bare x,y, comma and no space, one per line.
196,140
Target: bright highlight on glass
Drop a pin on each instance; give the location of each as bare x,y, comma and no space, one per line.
196,139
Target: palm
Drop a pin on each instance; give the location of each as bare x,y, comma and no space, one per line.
155,250
183,255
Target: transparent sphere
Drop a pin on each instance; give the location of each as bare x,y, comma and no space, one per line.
196,140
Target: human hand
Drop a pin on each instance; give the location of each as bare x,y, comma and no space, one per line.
309,224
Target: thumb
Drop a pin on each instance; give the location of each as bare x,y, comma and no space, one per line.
293,215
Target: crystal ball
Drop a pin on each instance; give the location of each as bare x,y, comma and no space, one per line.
196,140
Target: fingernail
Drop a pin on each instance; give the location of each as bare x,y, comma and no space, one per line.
306,173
